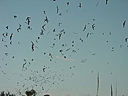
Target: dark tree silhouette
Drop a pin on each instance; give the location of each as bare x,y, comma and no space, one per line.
6,94
31,93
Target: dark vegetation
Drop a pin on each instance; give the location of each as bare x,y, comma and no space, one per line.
32,92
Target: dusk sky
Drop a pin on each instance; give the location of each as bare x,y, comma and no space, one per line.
60,52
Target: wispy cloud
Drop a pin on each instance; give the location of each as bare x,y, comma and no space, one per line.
65,58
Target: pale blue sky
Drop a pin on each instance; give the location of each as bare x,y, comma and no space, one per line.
71,76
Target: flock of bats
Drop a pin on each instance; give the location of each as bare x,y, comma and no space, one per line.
51,76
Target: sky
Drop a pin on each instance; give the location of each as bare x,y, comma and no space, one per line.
77,43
